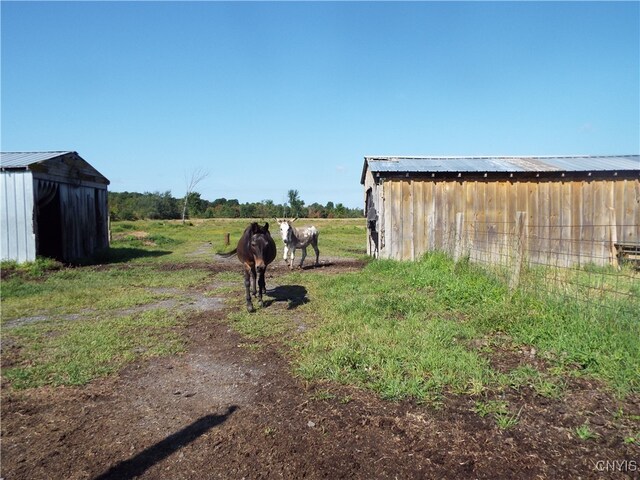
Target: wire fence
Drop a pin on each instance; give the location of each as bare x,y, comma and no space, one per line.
586,263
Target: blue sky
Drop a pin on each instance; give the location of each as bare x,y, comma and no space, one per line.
270,96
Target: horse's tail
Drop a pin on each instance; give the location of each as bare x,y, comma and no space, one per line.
228,254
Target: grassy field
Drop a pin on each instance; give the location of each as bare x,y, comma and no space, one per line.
401,329
171,241
425,328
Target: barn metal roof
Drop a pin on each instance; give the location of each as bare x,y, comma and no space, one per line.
24,159
494,164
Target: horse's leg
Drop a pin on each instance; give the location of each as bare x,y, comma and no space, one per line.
315,247
304,255
247,285
293,256
261,286
253,280
286,251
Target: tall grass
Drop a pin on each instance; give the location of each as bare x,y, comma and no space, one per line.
408,329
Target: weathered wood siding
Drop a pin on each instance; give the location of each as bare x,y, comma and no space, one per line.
568,222
84,216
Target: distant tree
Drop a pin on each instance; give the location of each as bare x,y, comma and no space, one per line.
196,177
315,210
296,204
340,210
162,206
248,210
197,206
266,209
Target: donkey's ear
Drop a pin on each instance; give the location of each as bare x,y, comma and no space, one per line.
254,227
294,220
278,220
266,226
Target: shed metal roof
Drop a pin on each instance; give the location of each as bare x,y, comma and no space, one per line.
24,159
488,164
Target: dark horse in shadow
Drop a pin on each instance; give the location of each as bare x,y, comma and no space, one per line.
256,249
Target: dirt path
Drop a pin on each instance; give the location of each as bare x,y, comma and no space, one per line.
222,410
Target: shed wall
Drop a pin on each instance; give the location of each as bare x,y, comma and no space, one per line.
18,240
567,222
84,216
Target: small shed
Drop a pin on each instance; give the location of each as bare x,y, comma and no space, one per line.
572,209
54,204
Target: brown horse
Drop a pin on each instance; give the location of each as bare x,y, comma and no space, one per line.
256,249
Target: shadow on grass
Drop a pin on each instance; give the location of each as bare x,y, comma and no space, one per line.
136,466
295,295
314,266
121,255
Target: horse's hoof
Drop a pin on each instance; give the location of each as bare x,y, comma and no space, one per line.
250,309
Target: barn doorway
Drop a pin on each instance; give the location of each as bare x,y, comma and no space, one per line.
49,222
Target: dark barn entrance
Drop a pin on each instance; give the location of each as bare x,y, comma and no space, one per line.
49,222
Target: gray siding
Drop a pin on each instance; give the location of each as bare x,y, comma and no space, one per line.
18,240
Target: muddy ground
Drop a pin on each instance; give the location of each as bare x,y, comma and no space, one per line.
226,409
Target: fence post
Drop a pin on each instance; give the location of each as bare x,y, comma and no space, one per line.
519,244
613,239
226,239
458,248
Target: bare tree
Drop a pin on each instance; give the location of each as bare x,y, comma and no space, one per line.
196,177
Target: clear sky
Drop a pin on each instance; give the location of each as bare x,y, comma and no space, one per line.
275,96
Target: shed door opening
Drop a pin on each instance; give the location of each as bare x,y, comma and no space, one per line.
49,221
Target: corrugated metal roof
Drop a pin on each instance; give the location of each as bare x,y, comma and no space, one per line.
502,164
24,159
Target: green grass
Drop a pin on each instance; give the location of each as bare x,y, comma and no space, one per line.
544,384
491,407
404,330
394,329
31,269
338,237
401,329
74,290
584,432
506,420
74,353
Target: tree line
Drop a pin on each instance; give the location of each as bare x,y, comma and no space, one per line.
163,206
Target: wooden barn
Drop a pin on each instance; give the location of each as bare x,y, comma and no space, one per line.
54,204
558,210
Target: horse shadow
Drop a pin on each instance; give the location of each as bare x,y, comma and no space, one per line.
312,266
294,295
140,463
